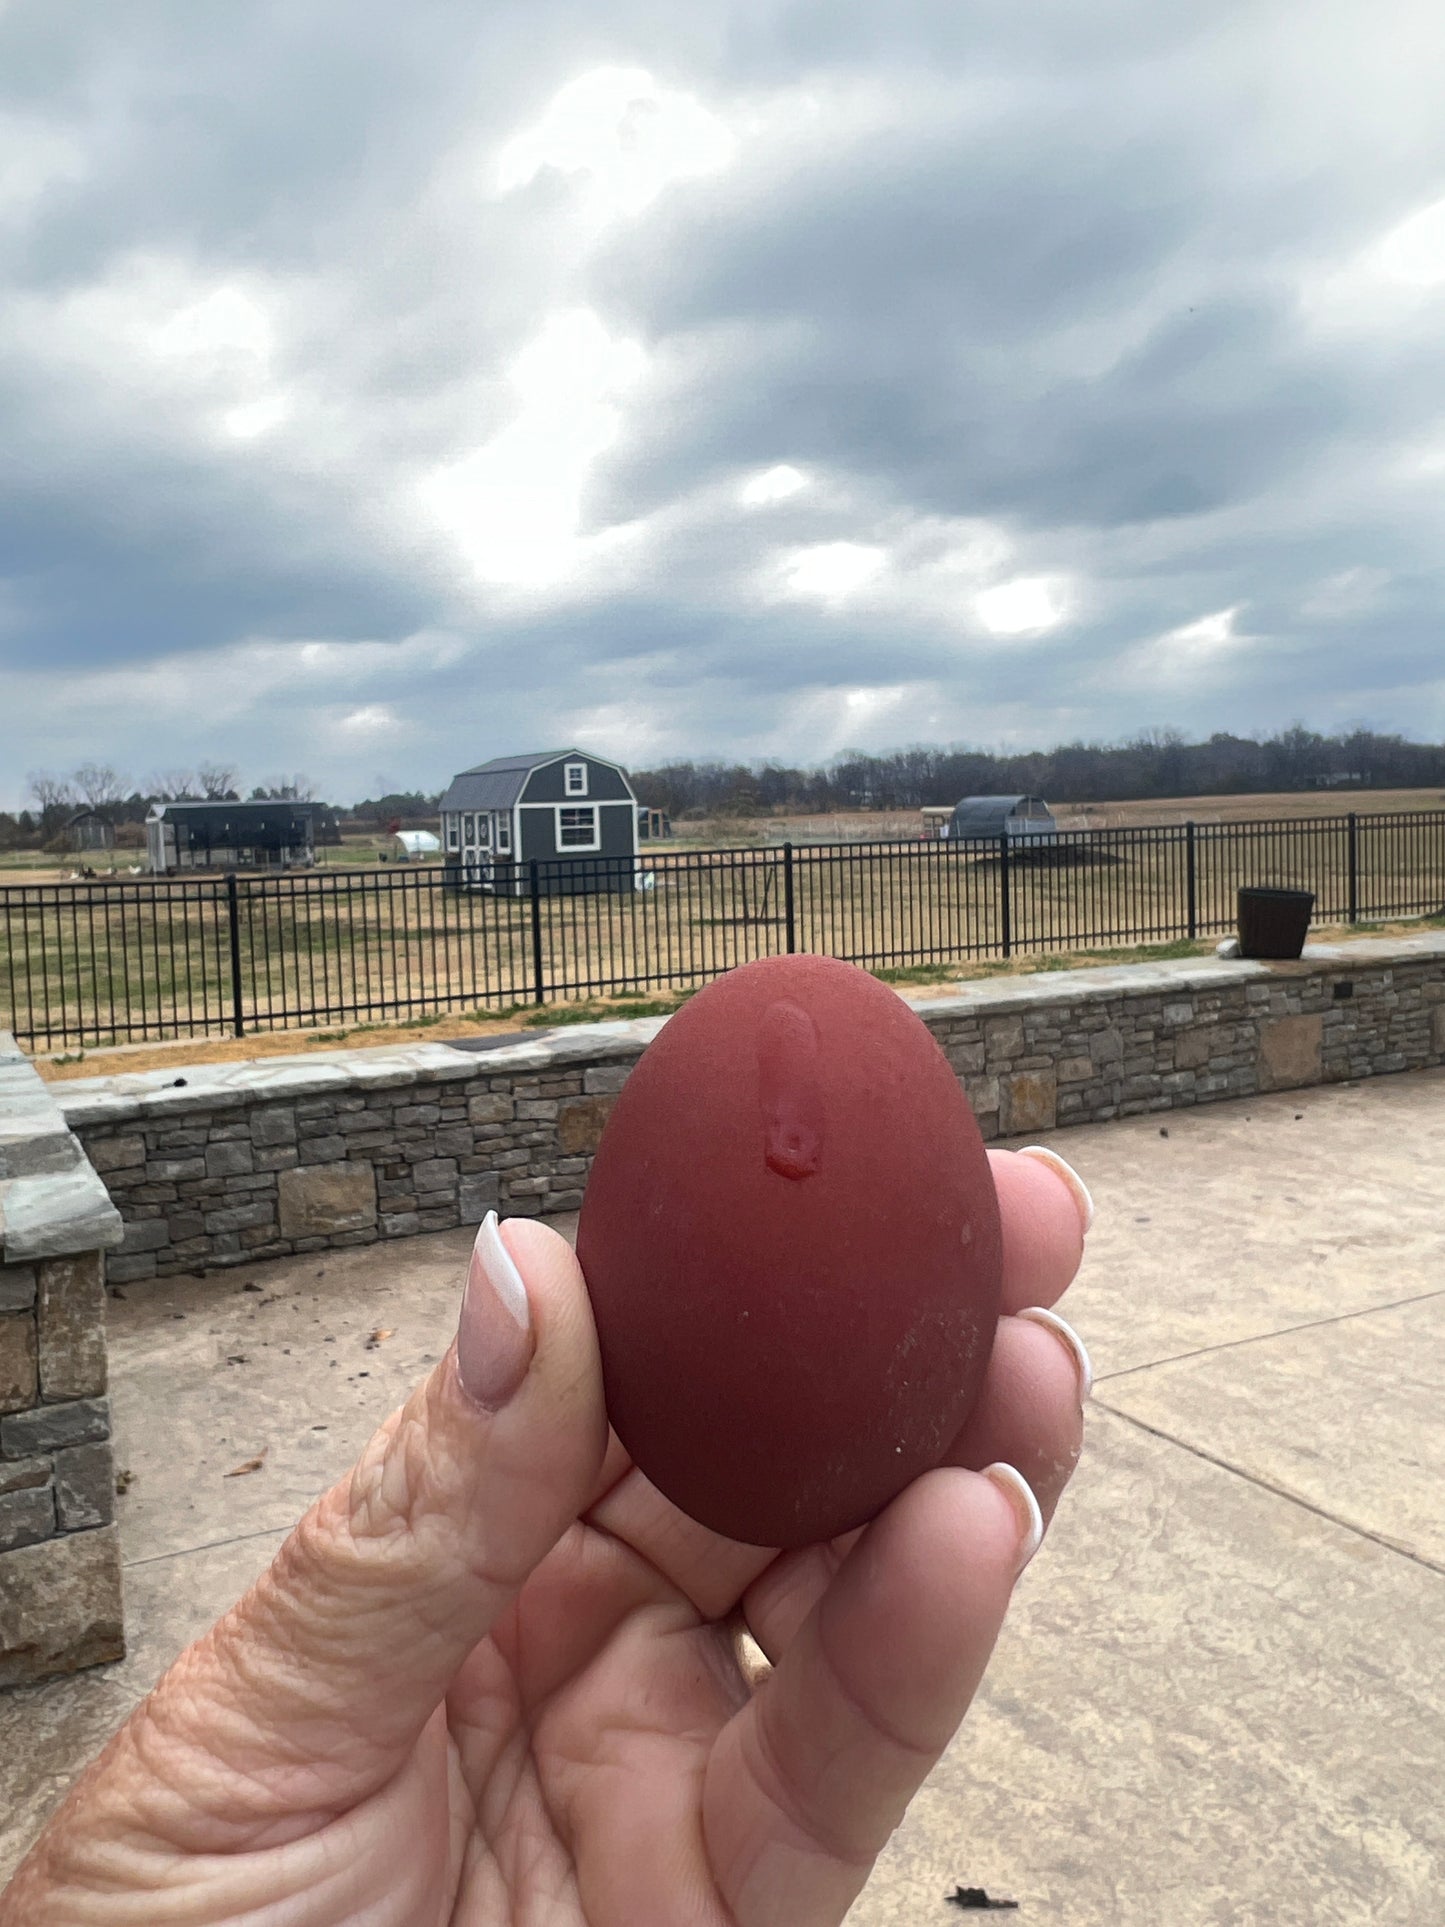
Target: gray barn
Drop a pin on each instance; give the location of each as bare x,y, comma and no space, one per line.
90,830
574,813
1022,819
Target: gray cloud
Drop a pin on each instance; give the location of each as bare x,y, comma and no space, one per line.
1085,299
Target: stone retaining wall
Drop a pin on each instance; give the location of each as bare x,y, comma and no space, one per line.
60,1605
223,1164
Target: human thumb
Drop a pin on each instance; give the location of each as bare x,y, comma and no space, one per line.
346,1645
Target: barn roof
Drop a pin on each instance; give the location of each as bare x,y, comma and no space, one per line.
985,812
497,785
256,807
991,805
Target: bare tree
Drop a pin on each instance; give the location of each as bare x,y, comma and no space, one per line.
54,794
99,786
174,786
285,789
217,780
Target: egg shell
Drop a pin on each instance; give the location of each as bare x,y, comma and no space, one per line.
790,1237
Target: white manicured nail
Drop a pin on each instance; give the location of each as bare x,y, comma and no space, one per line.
1020,1495
1065,1333
494,1334
1063,1169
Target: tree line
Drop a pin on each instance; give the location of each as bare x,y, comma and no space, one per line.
1156,763
102,787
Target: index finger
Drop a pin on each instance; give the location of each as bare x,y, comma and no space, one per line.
1045,1209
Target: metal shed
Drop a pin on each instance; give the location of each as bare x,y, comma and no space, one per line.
1022,819
266,835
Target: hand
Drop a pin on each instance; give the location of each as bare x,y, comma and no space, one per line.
490,1677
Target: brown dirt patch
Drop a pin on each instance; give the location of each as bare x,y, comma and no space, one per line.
273,1043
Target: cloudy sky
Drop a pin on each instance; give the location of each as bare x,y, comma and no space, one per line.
386,387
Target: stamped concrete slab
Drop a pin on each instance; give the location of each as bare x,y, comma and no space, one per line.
1210,1708
1345,1416
1244,1219
287,1371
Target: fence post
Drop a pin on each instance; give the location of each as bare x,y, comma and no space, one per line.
233,917
1005,907
539,993
1354,910
1192,879
788,898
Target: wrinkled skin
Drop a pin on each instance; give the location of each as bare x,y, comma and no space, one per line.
489,1677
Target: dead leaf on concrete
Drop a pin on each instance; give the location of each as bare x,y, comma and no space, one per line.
381,1332
247,1465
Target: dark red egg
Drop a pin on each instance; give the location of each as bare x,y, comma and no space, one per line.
791,1241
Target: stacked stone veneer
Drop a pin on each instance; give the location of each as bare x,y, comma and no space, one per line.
222,1164
60,1605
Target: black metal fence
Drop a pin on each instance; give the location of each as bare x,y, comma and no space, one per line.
87,964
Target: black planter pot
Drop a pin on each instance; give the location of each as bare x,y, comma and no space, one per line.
1274,923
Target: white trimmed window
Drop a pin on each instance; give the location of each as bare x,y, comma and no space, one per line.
574,779
504,835
453,836
577,828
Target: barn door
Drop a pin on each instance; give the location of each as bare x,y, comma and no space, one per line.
477,849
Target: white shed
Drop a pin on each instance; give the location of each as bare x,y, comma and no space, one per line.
417,845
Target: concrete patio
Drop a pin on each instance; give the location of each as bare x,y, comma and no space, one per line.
1219,1698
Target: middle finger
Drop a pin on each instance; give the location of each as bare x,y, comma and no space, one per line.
1029,1415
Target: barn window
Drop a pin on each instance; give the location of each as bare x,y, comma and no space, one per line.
575,779
577,829
504,835
484,832
452,838
469,829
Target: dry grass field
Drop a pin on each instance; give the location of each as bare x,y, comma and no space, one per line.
1309,806
144,960
862,826
368,851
